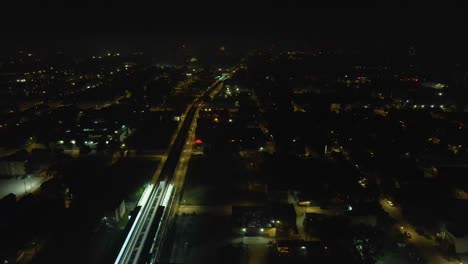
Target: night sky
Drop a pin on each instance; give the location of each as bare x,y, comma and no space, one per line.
85,25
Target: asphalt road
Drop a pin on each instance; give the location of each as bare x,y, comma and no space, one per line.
428,247
147,233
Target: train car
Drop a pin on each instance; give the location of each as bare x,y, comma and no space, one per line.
148,250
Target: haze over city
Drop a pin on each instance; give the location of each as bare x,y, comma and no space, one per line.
233,132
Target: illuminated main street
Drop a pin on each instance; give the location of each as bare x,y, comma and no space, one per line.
159,201
428,247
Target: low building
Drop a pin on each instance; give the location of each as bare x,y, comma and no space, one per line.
13,165
262,220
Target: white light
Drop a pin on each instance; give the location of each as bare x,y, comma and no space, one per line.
130,234
303,247
60,142
440,94
145,196
167,195
415,106
278,221
422,106
73,142
230,120
350,208
261,229
432,106
243,229
116,131
107,142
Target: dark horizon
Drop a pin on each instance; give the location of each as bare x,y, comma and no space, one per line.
82,27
